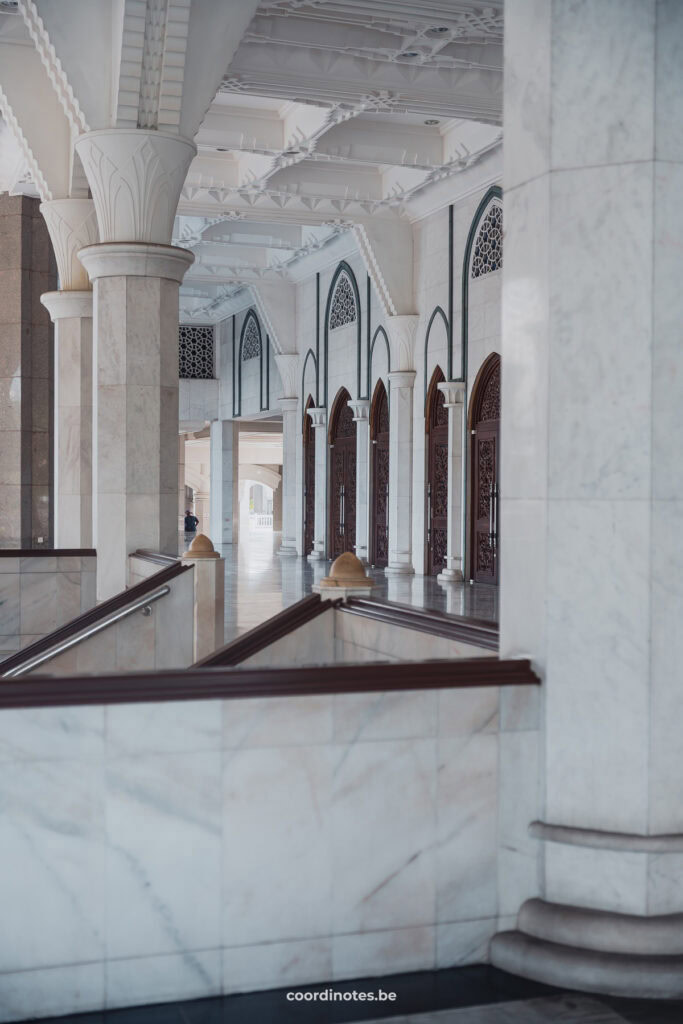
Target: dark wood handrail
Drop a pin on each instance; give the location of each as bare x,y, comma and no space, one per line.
155,556
240,683
92,616
478,632
47,552
267,632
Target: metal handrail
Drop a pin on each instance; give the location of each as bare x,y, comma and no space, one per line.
84,634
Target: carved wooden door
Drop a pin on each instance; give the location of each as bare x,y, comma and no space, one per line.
343,482
309,485
485,473
380,482
437,486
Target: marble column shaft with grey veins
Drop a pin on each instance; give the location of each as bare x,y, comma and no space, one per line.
361,415
72,224
182,505
135,177
454,401
225,469
319,419
290,421
400,472
592,479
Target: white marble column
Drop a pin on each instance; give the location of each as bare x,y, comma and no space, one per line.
592,487
400,472
361,415
290,420
319,420
135,177
72,224
182,506
71,313
454,401
225,469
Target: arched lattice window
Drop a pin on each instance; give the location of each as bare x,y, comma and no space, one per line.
195,352
343,308
488,249
251,341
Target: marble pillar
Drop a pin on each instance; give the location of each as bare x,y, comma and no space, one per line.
592,481
135,423
225,468
71,313
361,416
319,420
400,472
289,438
182,504
27,268
454,401
135,177
72,224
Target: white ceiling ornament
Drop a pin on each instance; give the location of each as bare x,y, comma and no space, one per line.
334,123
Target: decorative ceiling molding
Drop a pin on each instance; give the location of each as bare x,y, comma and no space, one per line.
53,66
31,162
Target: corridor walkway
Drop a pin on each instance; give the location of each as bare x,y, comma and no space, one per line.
258,584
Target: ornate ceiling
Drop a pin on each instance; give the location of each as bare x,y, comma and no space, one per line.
332,112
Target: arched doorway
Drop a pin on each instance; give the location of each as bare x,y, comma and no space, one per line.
342,438
436,425
309,479
484,424
379,435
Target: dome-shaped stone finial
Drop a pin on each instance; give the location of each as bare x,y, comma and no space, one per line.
201,547
347,576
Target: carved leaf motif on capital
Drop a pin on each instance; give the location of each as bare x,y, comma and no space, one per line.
72,224
136,197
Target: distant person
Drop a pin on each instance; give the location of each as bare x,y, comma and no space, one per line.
191,523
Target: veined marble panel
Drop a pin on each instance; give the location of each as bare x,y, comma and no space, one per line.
383,858
159,979
276,965
163,872
277,865
367,954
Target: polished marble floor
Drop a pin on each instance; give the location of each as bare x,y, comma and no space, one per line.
259,583
462,995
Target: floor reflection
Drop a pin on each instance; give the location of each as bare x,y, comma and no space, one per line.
259,583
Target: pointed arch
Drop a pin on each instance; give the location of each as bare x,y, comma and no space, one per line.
379,410
484,458
380,333
437,311
495,193
434,400
379,480
308,478
250,334
340,417
309,355
342,268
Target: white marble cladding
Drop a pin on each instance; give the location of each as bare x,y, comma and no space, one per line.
197,400
160,851
139,642
41,592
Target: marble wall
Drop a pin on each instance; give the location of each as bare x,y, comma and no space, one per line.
27,269
41,592
139,642
163,851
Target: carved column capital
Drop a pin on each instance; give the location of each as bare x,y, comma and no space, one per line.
453,392
72,224
401,378
402,332
318,416
360,409
288,366
135,177
68,305
288,404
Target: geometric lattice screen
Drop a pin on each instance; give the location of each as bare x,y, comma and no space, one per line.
488,250
343,308
251,342
195,350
